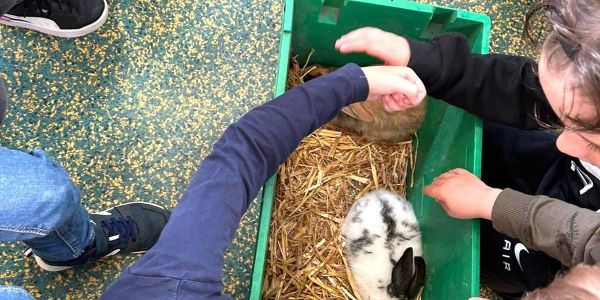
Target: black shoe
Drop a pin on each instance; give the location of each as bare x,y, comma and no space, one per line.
128,228
63,18
3,100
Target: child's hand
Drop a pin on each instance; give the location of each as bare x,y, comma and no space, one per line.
463,195
398,87
392,49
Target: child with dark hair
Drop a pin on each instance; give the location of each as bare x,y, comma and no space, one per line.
540,188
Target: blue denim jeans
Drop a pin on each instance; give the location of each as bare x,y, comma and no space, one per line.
14,293
40,206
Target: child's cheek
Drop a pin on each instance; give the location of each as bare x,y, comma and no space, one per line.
573,145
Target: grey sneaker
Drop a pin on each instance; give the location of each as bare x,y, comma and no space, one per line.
3,100
127,228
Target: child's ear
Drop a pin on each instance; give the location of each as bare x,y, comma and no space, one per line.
402,275
418,279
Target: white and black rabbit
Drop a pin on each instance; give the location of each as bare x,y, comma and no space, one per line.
383,247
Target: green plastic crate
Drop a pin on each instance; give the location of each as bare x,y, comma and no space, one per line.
449,138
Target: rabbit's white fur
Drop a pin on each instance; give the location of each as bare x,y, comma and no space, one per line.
372,246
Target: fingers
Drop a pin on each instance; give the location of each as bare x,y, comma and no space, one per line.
392,49
386,107
456,171
405,101
389,104
405,87
410,75
355,41
404,82
402,100
395,102
432,191
387,82
371,41
400,84
360,33
443,178
346,46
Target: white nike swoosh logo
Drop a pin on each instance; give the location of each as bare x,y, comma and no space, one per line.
103,213
518,248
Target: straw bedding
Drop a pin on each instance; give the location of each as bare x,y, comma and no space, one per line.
317,185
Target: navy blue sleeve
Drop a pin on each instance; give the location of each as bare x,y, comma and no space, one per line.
187,261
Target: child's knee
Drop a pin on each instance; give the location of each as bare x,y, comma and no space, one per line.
61,197
37,194
51,183
57,195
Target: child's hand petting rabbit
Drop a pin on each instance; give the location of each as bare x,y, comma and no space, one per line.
392,49
398,87
463,195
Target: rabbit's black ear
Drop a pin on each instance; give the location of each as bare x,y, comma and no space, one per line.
402,274
418,280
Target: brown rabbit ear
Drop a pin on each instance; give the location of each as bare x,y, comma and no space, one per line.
359,111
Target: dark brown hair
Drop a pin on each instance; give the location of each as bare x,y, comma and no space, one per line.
581,283
573,44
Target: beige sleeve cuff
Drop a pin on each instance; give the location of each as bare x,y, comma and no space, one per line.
510,214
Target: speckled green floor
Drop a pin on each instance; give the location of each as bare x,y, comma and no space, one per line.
132,109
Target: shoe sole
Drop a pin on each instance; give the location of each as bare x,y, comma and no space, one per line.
51,268
47,26
128,203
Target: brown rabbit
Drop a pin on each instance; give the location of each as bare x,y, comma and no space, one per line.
370,119
315,71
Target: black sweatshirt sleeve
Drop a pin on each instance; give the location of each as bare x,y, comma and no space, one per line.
499,88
